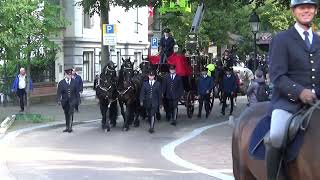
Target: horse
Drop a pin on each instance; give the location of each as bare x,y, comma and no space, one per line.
107,94
129,86
306,164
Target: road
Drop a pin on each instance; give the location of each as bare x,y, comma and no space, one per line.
90,153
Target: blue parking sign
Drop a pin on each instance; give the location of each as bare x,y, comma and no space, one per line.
110,29
154,43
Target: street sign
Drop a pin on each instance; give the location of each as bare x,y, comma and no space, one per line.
154,43
109,34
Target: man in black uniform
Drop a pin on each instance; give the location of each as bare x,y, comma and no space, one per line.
172,89
150,95
166,46
67,97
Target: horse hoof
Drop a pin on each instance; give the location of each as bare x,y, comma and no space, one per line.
125,129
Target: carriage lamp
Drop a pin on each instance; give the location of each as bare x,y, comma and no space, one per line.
254,21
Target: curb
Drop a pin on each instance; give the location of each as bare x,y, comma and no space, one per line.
6,124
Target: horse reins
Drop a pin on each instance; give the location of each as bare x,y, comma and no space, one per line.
308,115
122,93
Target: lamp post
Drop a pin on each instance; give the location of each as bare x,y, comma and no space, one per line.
254,23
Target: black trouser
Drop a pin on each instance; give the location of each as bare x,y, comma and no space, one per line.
22,94
151,112
76,107
68,110
225,96
206,100
172,111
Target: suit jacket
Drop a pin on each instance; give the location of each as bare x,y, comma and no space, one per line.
229,84
67,93
167,45
172,89
150,95
293,67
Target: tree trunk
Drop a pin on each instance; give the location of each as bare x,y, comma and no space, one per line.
105,55
28,78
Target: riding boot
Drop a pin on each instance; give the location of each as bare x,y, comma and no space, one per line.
273,160
152,121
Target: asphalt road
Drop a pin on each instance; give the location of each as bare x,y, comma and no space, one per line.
90,153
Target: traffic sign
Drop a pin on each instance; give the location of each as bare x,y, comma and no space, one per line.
154,43
109,34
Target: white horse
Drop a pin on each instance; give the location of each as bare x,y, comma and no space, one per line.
245,75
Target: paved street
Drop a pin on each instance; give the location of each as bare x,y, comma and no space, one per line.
89,153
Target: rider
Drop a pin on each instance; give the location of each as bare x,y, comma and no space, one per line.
166,46
294,72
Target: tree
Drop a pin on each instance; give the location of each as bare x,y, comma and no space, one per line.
28,29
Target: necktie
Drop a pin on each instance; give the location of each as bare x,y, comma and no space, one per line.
306,39
151,83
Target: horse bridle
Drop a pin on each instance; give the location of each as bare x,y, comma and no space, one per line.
125,91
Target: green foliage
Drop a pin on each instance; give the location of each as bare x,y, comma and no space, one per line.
34,118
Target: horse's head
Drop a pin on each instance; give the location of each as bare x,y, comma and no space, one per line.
107,83
145,67
127,68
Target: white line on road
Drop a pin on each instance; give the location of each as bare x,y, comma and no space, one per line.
168,151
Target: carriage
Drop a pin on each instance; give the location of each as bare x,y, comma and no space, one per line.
189,68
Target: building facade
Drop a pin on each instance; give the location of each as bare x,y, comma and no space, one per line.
81,41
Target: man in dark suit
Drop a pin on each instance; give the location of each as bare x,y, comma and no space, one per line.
150,95
229,89
172,89
166,46
79,85
67,97
295,73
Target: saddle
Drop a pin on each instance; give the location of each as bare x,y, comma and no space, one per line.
296,127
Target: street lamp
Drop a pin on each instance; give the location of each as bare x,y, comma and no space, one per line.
254,23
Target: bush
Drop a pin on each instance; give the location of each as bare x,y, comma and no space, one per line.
34,118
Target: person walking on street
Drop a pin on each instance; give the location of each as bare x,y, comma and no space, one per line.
150,96
294,72
229,88
79,85
166,46
67,95
19,87
172,89
258,91
205,86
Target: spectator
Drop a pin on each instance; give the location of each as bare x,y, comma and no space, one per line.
19,87
258,84
79,86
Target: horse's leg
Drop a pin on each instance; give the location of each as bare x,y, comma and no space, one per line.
103,109
113,113
138,112
121,104
127,118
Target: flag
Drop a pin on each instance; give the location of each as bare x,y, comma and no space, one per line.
151,10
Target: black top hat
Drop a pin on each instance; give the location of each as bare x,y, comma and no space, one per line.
166,30
68,71
172,66
151,73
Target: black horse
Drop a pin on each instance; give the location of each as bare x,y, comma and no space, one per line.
107,94
129,86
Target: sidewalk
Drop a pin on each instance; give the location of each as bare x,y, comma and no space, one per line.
88,110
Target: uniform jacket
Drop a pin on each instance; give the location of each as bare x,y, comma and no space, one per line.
172,89
150,95
229,84
67,93
79,82
15,84
293,67
204,85
167,45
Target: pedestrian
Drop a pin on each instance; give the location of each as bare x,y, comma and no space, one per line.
150,96
19,87
172,89
295,73
258,90
205,86
166,46
67,97
79,85
229,88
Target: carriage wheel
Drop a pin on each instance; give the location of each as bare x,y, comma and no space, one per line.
190,104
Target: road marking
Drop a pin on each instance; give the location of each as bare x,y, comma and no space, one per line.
168,151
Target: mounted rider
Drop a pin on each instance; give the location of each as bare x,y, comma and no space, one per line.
294,72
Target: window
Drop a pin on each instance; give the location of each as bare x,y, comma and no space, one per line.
97,64
86,20
137,59
156,21
88,69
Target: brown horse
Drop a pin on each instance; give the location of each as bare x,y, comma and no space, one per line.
305,166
